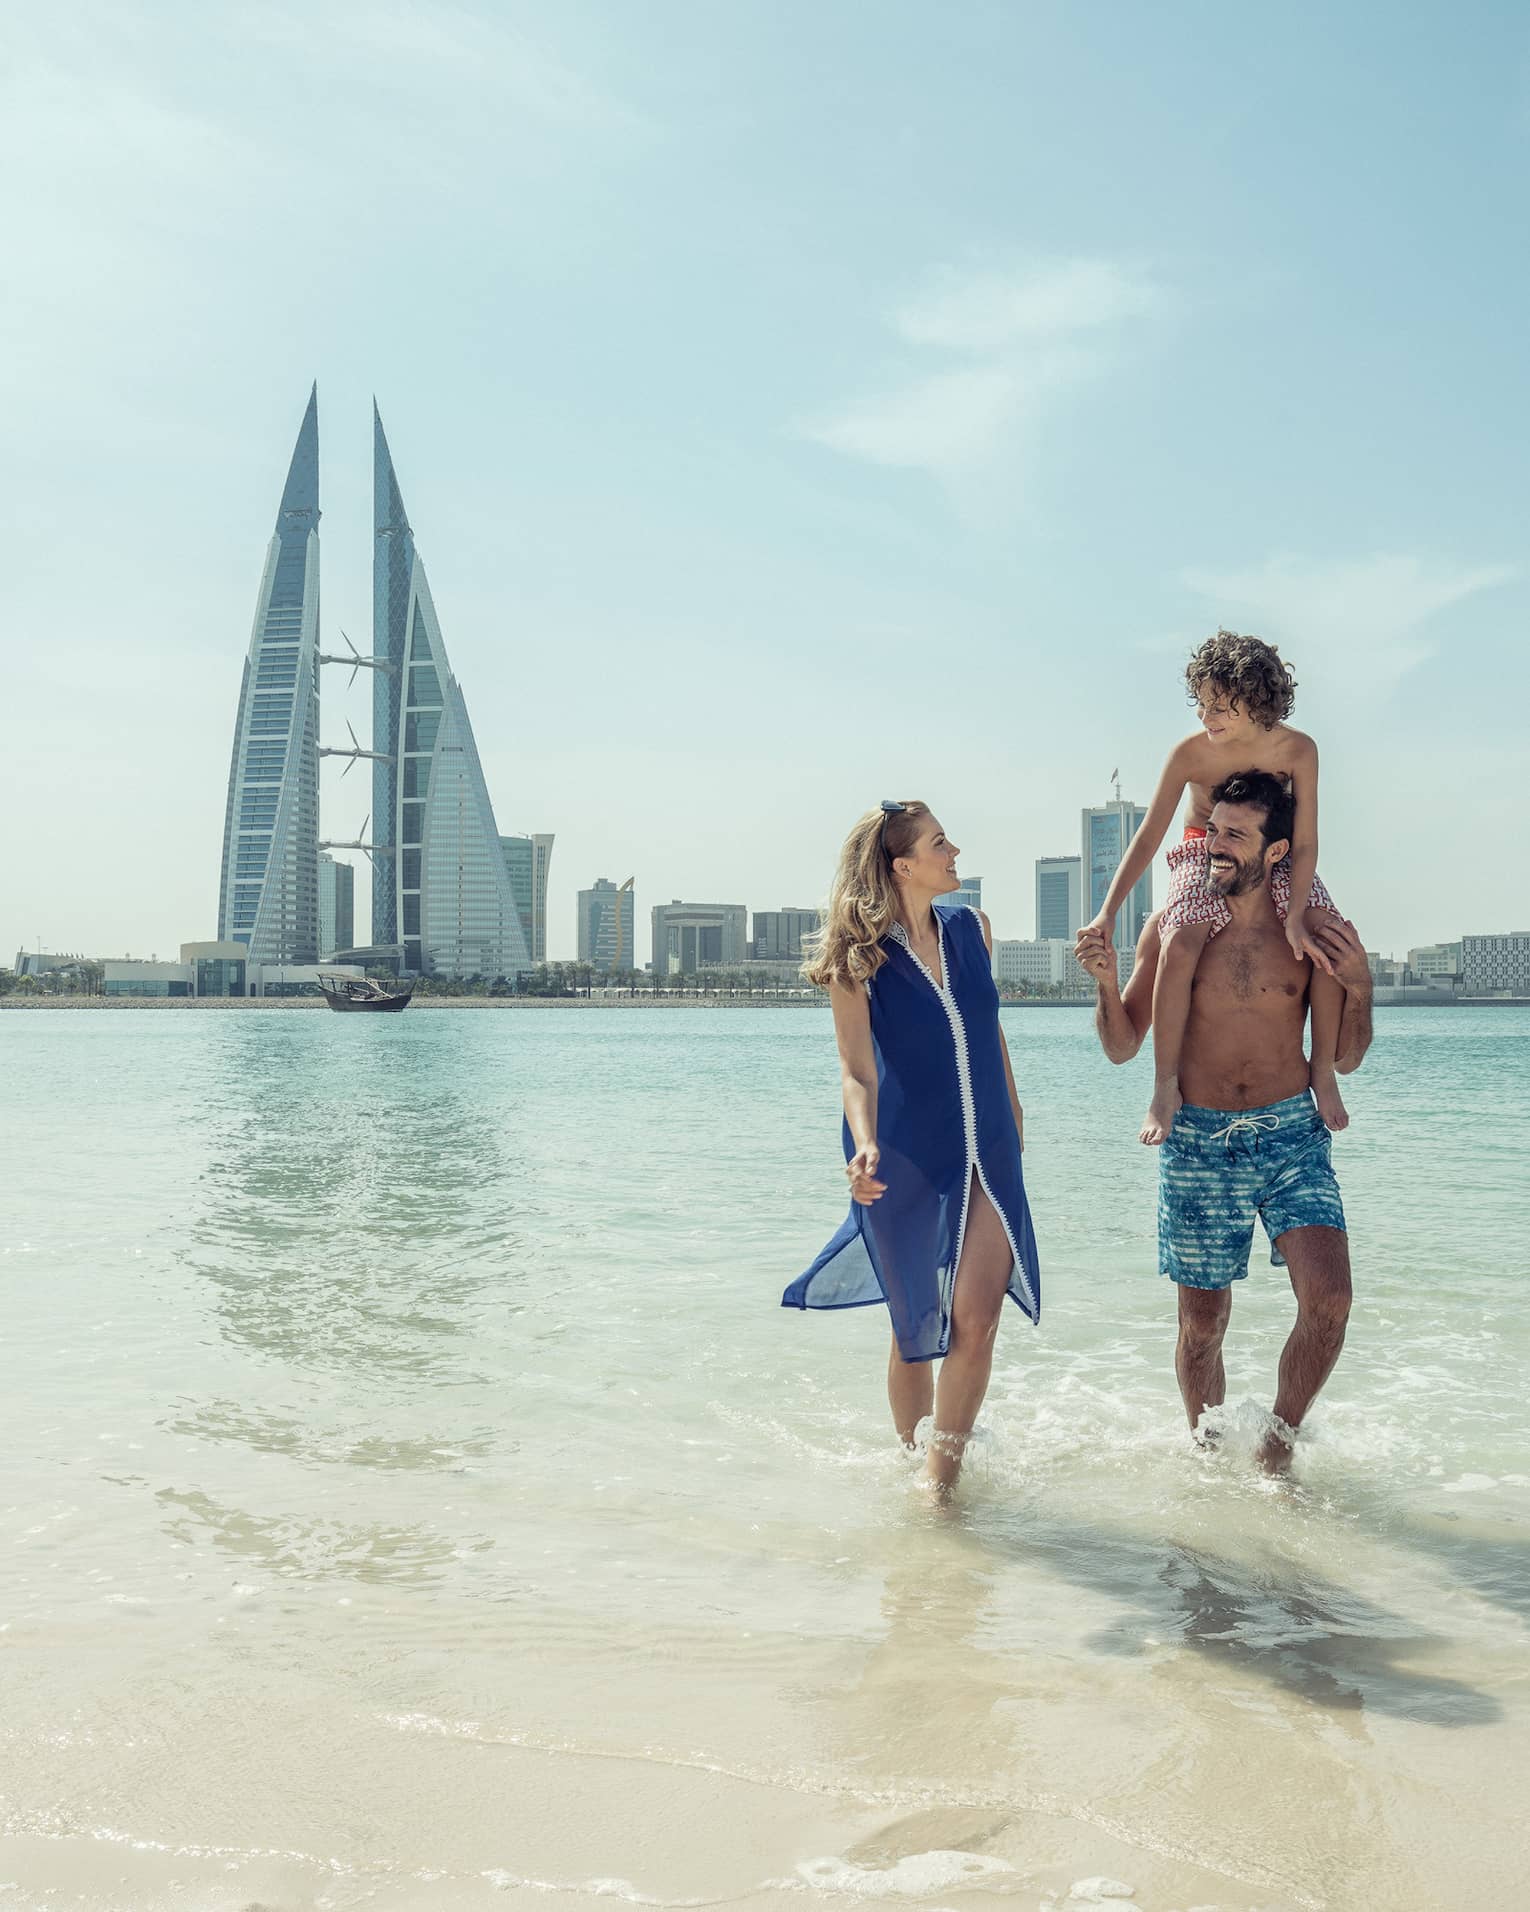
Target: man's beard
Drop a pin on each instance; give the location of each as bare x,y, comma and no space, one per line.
1242,878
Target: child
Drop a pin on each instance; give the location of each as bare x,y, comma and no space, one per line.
1242,693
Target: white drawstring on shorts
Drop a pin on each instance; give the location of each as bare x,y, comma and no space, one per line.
1258,1124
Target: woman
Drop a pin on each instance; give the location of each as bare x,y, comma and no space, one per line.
939,1226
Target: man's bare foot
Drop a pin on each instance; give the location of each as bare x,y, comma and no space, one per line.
1163,1108
1330,1104
1275,1450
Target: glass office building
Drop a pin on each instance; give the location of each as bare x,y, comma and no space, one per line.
441,891
541,863
337,905
1057,898
606,919
1108,829
528,859
268,894
519,862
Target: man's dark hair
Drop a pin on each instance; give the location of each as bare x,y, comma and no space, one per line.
1260,790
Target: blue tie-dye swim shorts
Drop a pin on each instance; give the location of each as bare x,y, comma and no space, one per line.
1219,1168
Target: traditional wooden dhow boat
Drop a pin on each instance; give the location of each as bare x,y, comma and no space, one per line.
361,992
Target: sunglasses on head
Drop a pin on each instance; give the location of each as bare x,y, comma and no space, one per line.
889,809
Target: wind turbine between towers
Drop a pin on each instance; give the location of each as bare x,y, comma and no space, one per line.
357,662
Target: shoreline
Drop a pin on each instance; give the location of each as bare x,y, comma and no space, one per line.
271,1003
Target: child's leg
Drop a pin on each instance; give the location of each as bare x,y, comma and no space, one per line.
1327,999
1171,1012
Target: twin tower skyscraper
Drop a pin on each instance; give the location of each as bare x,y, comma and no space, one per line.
444,889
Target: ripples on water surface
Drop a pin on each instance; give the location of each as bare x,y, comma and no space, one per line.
415,1497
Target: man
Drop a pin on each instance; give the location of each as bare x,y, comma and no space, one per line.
1249,1140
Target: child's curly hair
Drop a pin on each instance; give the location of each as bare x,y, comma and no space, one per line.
1249,671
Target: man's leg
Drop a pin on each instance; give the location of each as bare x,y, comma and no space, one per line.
1203,1316
1318,1262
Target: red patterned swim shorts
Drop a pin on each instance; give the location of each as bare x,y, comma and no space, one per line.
1193,900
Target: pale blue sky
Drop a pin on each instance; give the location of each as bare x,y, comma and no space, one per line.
795,404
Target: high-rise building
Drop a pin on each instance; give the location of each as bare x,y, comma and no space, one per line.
606,915
542,849
968,896
441,892
1059,888
268,892
688,937
778,934
337,906
528,859
518,862
1108,829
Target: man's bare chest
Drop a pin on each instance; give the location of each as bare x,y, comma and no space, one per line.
1254,970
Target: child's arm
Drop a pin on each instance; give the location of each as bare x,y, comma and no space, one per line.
1304,852
1144,845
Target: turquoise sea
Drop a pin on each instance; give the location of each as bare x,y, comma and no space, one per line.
415,1497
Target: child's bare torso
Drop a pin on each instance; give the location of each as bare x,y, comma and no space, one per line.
1277,750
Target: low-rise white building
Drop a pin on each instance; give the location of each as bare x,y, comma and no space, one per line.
1435,959
216,970
37,962
129,977
1037,963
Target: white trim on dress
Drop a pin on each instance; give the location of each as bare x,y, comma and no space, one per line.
969,1116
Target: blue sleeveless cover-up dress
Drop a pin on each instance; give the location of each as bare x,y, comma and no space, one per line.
943,1115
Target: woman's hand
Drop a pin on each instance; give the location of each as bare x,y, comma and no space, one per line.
861,1172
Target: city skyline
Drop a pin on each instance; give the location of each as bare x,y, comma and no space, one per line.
750,503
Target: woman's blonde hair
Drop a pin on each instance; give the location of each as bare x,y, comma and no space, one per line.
863,900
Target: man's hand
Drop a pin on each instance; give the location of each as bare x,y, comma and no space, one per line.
1096,953
861,1172
1345,952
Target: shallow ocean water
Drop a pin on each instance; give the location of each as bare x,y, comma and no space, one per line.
417,1498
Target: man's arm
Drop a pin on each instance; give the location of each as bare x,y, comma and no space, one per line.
1122,1018
1345,951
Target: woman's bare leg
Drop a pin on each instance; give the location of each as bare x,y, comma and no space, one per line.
1171,1011
910,1392
981,1279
